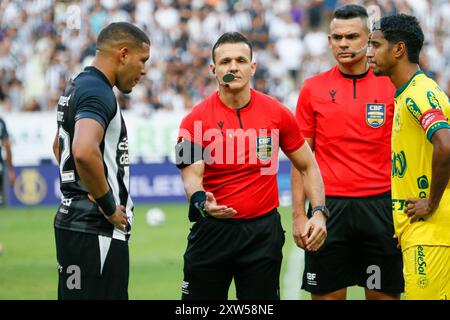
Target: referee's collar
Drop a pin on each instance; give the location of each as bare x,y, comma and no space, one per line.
97,72
354,76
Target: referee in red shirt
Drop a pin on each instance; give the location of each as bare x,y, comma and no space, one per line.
346,115
227,151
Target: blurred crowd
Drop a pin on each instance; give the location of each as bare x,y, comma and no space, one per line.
43,43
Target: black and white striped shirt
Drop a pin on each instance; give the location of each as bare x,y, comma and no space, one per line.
90,95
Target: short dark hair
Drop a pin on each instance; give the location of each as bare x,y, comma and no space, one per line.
350,11
231,37
122,31
404,28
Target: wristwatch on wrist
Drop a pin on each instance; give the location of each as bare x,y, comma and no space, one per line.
323,209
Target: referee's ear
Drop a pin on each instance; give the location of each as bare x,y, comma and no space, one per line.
253,68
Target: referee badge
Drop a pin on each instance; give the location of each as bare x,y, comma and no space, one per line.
375,114
264,148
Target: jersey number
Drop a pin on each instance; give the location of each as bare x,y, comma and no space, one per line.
69,175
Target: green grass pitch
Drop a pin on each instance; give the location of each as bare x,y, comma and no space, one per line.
28,268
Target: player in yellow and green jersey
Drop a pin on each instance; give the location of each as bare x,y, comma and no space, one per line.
420,157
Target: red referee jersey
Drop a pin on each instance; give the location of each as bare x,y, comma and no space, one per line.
350,120
240,149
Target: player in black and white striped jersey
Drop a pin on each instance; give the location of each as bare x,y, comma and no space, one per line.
93,222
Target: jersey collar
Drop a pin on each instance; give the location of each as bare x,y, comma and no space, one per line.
354,76
243,108
400,90
98,73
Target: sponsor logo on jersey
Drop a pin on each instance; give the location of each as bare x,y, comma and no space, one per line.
421,263
421,266
398,204
263,148
413,108
375,114
422,182
66,202
398,164
124,158
432,99
64,101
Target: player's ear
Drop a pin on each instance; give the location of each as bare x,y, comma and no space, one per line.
399,49
212,68
253,68
123,53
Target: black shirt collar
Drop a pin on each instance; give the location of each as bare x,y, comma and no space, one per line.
98,73
354,76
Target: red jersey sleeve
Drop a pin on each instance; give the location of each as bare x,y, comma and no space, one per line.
191,128
291,138
305,113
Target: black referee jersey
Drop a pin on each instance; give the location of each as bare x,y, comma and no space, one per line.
90,95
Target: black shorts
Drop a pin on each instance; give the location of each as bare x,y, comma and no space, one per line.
91,266
248,250
359,249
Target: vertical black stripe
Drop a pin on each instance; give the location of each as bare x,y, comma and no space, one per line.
239,117
120,156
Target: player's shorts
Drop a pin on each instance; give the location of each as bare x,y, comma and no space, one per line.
91,266
427,272
248,250
359,249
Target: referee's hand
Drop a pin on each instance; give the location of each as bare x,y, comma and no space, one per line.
315,232
298,227
216,211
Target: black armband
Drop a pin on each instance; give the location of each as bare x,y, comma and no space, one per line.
197,206
107,203
186,153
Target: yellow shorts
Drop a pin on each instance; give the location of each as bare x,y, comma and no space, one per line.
427,273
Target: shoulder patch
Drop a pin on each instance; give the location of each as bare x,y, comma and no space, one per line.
432,99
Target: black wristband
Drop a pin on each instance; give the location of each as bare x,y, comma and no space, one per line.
107,203
197,206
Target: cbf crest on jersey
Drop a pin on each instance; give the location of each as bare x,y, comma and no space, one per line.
375,114
264,148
